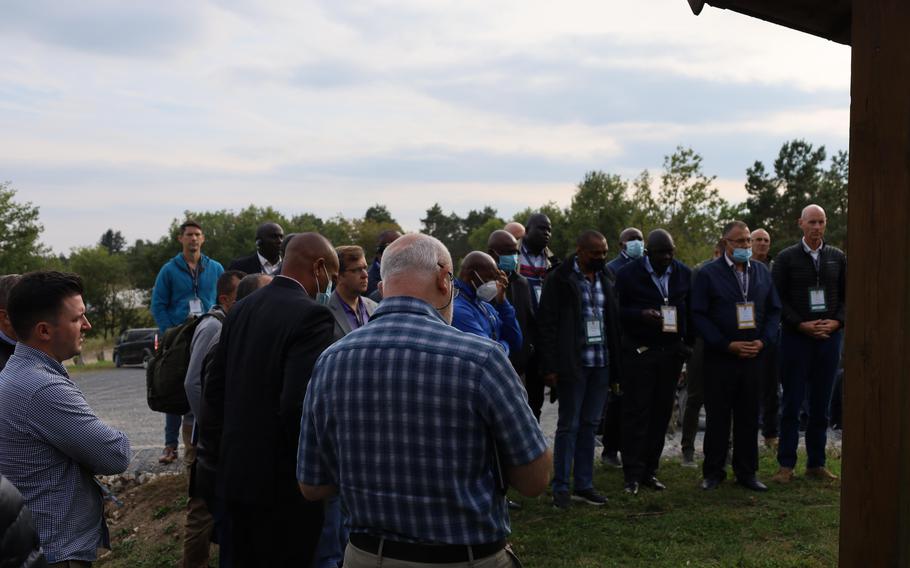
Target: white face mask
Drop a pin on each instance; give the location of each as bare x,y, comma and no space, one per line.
487,291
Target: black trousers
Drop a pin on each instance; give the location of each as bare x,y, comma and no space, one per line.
612,424
284,533
770,413
732,392
649,387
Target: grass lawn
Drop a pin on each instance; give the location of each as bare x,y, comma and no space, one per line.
789,526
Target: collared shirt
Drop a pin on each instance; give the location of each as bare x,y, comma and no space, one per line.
51,445
534,267
358,319
742,277
268,267
663,281
592,306
403,417
5,338
813,253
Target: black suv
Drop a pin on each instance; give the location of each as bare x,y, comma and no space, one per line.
136,346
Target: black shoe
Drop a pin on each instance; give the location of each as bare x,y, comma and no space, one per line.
631,488
513,506
561,500
590,497
710,483
653,483
752,484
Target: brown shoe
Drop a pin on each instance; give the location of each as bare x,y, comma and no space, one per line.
783,475
169,455
821,473
771,443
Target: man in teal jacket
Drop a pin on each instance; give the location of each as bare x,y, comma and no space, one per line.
185,285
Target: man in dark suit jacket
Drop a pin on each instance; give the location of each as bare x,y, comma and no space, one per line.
7,333
269,344
267,257
580,355
657,335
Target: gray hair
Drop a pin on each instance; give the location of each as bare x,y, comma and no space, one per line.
412,255
6,284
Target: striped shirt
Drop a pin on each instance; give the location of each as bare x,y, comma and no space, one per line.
403,415
51,445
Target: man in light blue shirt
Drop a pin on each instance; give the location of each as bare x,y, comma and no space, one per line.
51,442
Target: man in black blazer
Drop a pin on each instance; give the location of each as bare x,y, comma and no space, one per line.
657,335
267,257
578,332
269,344
7,333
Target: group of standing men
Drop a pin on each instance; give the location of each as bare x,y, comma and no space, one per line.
411,429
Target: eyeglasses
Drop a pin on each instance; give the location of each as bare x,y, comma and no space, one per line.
451,278
746,241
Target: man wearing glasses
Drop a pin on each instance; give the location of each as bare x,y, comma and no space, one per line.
350,309
737,313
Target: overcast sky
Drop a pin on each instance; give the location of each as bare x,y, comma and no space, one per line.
124,114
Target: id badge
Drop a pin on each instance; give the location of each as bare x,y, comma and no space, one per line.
594,331
817,300
537,291
745,315
196,307
668,313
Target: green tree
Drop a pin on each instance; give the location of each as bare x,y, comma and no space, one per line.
19,232
228,234
446,228
478,238
562,241
367,231
379,214
113,241
601,203
107,285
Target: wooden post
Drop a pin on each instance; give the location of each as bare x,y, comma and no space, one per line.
875,502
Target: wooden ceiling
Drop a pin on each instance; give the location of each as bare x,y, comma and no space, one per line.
829,19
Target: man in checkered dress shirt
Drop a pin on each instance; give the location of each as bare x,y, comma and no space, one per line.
403,416
51,442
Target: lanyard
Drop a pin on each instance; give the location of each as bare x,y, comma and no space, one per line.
663,285
743,280
194,276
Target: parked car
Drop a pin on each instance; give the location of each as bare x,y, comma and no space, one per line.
136,346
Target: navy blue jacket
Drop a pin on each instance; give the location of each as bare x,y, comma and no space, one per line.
636,291
714,300
617,263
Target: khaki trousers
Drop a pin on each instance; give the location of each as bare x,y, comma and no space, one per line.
357,558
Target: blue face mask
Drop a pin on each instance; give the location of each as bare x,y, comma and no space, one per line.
508,262
634,249
324,297
742,255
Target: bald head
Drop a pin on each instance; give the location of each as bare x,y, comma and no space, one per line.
661,250
538,234
813,223
502,242
630,234
761,245
477,267
515,229
268,241
311,260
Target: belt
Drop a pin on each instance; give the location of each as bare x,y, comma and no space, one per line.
425,553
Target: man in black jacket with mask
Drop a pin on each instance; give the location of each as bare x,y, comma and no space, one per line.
657,336
579,356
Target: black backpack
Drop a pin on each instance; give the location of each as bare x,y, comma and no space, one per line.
166,371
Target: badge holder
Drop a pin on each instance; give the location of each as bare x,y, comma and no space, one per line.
196,307
817,301
745,315
668,314
594,331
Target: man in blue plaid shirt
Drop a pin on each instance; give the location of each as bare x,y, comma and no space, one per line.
419,427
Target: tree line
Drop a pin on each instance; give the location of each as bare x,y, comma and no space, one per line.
681,198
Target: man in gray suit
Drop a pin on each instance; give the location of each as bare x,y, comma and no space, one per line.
351,311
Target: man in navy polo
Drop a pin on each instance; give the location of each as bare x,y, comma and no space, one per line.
737,313
653,294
